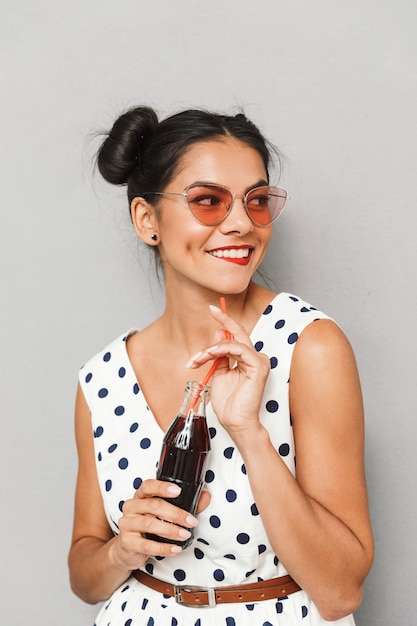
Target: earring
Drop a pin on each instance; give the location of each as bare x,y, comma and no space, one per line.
154,237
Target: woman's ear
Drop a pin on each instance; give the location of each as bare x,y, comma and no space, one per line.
144,221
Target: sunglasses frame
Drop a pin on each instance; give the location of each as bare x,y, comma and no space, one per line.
184,194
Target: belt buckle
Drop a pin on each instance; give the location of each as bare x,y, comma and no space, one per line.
209,590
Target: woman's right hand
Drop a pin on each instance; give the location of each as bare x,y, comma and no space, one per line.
148,513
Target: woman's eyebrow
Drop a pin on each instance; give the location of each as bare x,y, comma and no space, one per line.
260,183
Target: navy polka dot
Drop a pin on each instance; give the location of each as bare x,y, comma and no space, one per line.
121,503
112,448
199,554
279,607
230,556
230,621
128,622
243,538
88,377
122,372
279,324
99,456
231,495
272,406
98,431
294,298
209,476
119,410
304,309
258,346
218,575
137,483
250,607
243,469
174,622
145,443
123,463
304,611
268,310
108,485
261,548
149,568
249,573
123,606
136,389
103,392
273,362
284,449
179,574
107,357
197,622
215,521
206,543
276,561
134,427
228,453
254,509
292,338
212,432
267,624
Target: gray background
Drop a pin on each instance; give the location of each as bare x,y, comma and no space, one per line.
333,84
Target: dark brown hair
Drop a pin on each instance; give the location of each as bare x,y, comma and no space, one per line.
143,153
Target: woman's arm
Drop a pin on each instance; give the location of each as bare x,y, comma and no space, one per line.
93,576
98,561
322,534
318,524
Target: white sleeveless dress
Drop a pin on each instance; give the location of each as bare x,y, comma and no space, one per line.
230,545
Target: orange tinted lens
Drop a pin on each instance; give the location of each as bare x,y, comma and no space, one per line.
264,204
209,203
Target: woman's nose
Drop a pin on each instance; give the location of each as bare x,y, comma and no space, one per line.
237,219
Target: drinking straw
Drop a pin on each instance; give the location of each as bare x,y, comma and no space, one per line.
216,362
213,367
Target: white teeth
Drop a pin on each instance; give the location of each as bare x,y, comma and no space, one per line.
231,253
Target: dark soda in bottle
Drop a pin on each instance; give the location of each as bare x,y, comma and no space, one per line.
184,453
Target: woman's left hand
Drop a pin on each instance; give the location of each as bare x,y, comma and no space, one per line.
239,380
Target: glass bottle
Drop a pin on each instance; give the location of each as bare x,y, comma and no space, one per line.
184,452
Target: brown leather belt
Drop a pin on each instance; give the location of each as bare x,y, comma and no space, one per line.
188,595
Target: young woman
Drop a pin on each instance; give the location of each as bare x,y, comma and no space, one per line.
282,531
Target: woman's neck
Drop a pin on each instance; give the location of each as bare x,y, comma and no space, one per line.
188,323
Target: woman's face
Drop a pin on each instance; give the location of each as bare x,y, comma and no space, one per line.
206,256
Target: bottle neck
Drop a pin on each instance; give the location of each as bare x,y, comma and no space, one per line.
195,399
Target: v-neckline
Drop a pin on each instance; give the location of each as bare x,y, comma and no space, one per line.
132,331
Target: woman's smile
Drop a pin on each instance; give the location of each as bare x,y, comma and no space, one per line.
233,254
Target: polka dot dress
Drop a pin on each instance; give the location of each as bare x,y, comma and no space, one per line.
230,545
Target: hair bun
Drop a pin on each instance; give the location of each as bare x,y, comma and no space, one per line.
119,153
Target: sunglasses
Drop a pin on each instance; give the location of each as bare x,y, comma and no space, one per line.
211,204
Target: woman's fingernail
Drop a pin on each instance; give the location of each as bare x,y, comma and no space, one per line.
176,549
191,521
174,490
184,533
193,359
215,308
